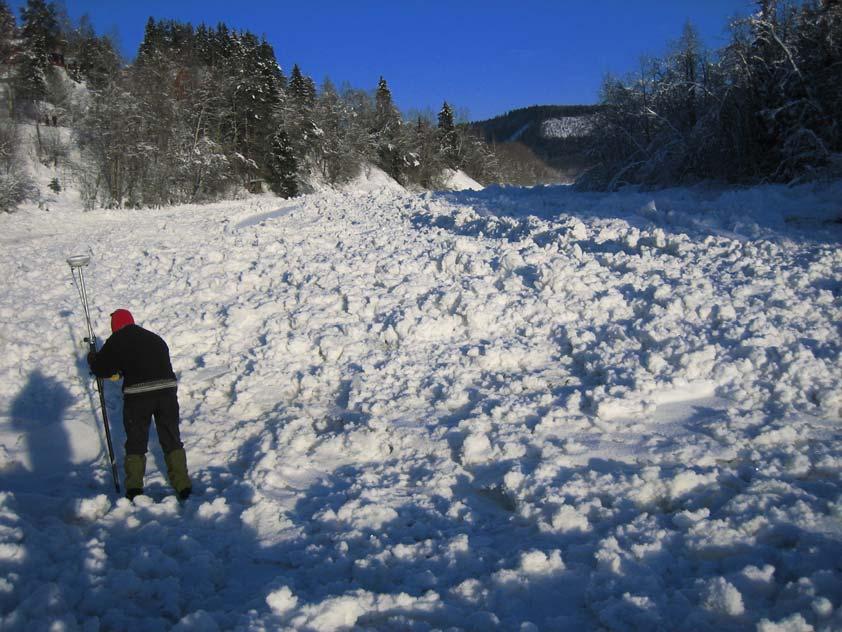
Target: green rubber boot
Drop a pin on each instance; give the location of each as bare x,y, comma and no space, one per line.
135,466
177,472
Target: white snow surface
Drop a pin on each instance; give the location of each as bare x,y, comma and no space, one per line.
567,127
458,180
371,179
496,410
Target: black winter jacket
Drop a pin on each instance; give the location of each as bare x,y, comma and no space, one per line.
141,356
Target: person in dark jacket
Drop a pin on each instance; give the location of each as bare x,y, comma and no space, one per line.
149,390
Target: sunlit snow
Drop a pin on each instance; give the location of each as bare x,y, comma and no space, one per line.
501,409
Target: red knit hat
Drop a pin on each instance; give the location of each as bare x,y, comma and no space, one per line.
120,318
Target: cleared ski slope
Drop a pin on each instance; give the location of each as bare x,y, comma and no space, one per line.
506,409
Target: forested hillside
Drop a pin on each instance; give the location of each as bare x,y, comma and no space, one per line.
200,113
541,143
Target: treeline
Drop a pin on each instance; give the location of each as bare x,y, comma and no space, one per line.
765,108
205,111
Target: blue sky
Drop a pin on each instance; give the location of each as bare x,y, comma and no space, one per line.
485,57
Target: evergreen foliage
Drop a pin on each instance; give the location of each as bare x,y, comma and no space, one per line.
448,137
40,29
40,37
386,131
95,60
203,112
299,117
8,33
283,166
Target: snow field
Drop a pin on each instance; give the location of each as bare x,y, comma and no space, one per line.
566,126
503,409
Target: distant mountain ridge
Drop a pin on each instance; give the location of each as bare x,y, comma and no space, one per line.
556,134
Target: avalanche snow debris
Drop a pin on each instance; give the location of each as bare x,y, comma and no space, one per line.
513,409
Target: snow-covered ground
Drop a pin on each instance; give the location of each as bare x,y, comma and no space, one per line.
479,410
460,181
567,127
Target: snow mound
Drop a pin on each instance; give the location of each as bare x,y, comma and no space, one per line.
460,181
372,179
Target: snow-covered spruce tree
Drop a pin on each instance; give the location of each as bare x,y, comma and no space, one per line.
95,59
283,167
214,88
39,39
257,99
299,124
8,33
153,40
449,138
302,89
387,133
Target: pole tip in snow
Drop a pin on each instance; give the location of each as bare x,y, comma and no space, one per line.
78,261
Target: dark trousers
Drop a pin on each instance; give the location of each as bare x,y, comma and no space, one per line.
138,410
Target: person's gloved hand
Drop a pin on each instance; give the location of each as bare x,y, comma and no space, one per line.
91,357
